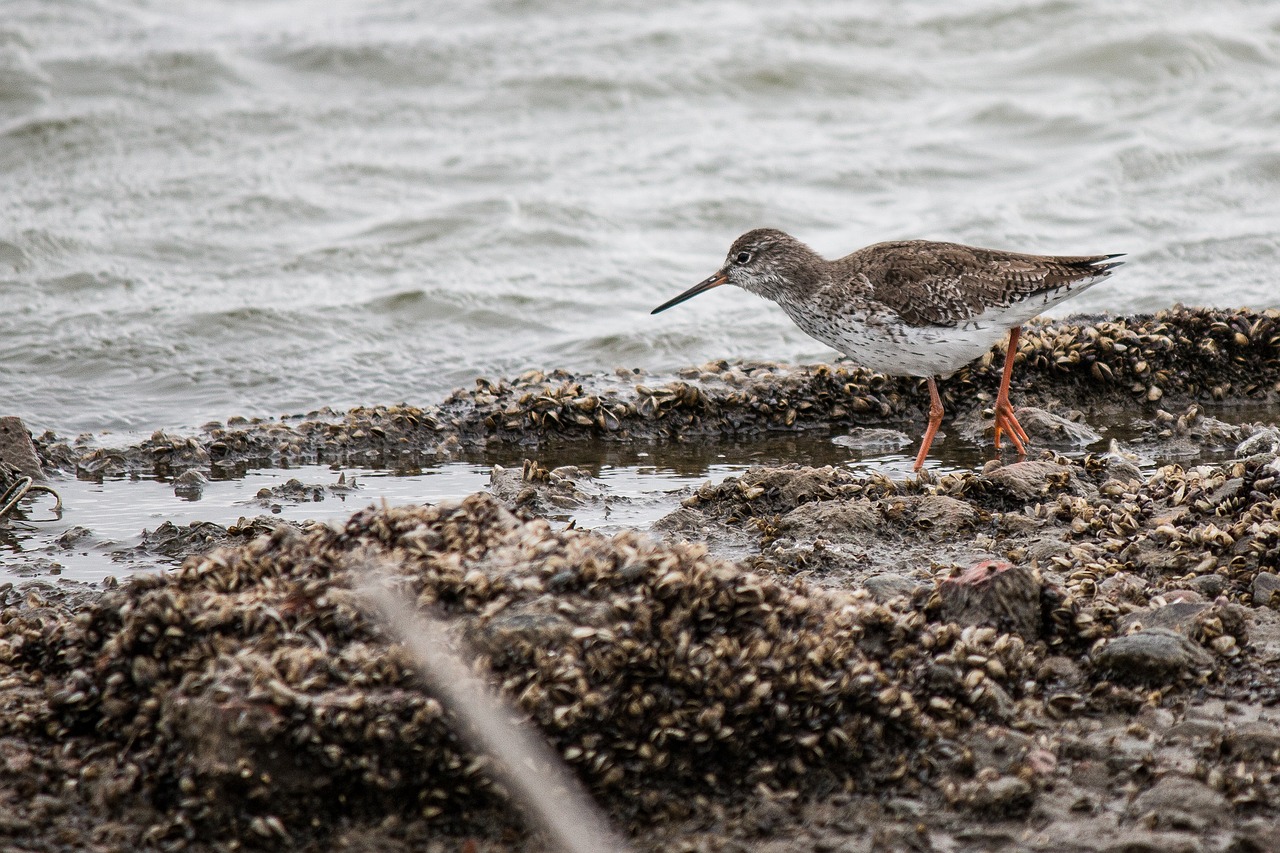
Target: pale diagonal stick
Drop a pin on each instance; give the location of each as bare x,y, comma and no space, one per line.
536,777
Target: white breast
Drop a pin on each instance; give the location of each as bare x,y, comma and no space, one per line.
882,342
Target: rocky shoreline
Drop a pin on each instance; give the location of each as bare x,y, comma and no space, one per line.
1150,364
1069,652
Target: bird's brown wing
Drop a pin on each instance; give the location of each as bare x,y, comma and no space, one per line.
944,284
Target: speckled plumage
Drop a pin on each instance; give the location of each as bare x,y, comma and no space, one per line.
910,307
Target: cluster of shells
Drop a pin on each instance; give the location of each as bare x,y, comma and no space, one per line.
1190,353
252,689
250,693
1115,547
253,693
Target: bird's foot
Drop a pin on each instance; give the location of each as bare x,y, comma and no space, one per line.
1006,422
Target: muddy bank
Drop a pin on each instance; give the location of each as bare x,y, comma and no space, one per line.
1114,367
1064,653
1051,655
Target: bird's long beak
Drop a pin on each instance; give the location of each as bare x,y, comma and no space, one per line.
715,281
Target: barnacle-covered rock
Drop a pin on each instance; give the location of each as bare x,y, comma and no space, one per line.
259,691
1166,361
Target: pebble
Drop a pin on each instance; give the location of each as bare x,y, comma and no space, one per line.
1210,586
1006,795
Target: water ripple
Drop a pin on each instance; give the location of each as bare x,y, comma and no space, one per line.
215,210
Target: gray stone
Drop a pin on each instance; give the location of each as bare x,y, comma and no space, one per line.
1153,655
997,594
1145,841
1264,442
944,513
1260,739
1178,617
17,450
1048,428
888,587
869,439
190,485
1265,586
1177,802
1037,478
830,519
1193,730
1210,586
1007,795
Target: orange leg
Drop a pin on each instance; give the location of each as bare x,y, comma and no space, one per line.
1005,421
935,421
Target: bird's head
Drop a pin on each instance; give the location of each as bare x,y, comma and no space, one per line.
767,262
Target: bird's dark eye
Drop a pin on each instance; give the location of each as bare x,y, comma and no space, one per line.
743,258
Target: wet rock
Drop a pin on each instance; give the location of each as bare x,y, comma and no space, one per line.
1035,479
1152,656
543,491
1193,431
199,537
836,520
170,453
945,514
1177,802
17,449
1263,444
1045,427
1125,586
792,486
1265,586
1196,730
73,537
1146,841
295,491
1183,596
190,485
1120,465
1061,672
1001,595
1256,835
171,540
